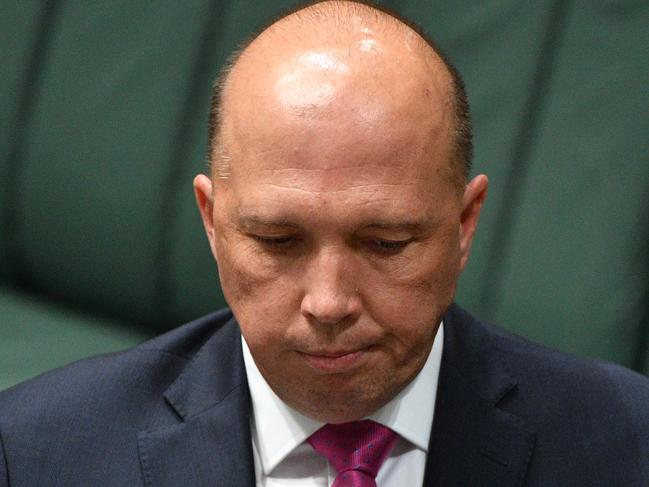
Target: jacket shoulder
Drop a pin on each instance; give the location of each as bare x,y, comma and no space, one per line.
137,376
548,368
72,425
592,411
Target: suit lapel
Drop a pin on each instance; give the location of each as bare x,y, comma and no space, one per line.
211,444
473,441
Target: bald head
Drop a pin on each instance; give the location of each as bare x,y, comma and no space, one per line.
337,66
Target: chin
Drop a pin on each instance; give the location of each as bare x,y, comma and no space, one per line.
351,406
343,415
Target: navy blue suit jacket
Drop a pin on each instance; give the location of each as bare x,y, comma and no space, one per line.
174,411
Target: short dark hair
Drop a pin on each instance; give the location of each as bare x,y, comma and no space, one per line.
462,151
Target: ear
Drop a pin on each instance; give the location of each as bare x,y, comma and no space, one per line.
205,201
474,196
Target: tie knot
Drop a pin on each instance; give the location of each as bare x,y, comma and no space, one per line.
359,446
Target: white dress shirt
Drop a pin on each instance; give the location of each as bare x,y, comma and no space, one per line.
283,458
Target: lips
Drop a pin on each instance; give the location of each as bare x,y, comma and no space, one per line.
335,361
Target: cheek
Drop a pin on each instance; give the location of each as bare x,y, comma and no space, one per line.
236,282
441,266
410,301
244,273
431,270
263,299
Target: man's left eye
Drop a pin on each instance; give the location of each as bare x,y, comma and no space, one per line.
389,246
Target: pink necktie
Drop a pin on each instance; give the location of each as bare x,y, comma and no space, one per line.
356,450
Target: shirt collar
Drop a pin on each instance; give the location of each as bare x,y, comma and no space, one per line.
277,429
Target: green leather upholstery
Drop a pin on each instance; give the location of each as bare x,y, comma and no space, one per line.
103,128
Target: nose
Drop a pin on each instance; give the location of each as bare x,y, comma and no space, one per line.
331,295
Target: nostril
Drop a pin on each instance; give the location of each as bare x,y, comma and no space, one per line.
328,308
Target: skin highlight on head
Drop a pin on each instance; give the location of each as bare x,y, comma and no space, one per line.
340,229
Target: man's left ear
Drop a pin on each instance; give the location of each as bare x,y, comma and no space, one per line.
474,196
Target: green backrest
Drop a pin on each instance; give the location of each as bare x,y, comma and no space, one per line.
575,270
19,31
101,153
98,209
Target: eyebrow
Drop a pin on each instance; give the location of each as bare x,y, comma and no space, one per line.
250,221
411,226
247,221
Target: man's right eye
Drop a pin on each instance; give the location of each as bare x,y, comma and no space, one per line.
275,243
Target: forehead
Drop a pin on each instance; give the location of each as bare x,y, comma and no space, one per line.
328,107
329,181
325,124
334,155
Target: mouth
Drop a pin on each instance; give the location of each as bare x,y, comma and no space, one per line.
335,361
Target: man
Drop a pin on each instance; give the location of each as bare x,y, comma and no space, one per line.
340,215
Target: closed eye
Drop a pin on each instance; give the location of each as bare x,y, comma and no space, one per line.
275,243
388,246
